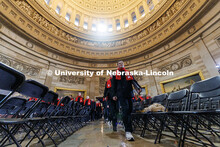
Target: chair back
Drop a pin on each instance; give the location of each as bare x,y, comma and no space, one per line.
10,80
161,99
209,93
178,101
12,107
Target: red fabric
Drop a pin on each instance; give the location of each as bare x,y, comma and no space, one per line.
134,98
148,97
109,84
89,102
59,103
98,104
32,99
141,98
81,99
77,98
128,77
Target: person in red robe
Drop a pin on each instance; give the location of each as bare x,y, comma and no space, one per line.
98,110
79,99
93,109
134,99
141,98
148,97
87,102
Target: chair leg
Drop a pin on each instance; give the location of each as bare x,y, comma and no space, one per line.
12,137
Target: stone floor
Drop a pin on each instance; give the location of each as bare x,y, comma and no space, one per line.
100,134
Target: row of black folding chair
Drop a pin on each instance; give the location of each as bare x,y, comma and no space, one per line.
205,113
147,121
184,112
31,116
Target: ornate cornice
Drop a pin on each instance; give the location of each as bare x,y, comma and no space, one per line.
123,33
25,68
166,25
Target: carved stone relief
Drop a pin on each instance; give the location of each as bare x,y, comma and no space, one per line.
58,32
178,64
27,69
72,79
102,81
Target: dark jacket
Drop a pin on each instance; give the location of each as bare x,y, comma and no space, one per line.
108,91
93,105
123,87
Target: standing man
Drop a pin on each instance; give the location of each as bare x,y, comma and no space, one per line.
123,92
113,105
87,102
93,108
80,99
98,110
105,110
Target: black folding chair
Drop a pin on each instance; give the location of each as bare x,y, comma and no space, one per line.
204,110
149,121
28,88
10,80
172,119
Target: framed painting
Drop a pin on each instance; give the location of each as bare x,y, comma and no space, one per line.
182,82
62,92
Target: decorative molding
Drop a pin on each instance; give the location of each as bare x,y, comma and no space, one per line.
138,78
218,41
178,64
29,45
127,52
27,69
72,79
37,17
102,81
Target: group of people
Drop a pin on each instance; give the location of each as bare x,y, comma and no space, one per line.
140,98
95,106
119,92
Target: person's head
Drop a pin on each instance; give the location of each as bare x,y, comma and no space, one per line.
87,97
92,99
120,64
79,94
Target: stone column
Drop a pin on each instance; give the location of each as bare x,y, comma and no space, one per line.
137,13
113,24
49,75
122,22
54,4
146,8
81,21
129,19
90,23
206,56
153,86
73,16
63,12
